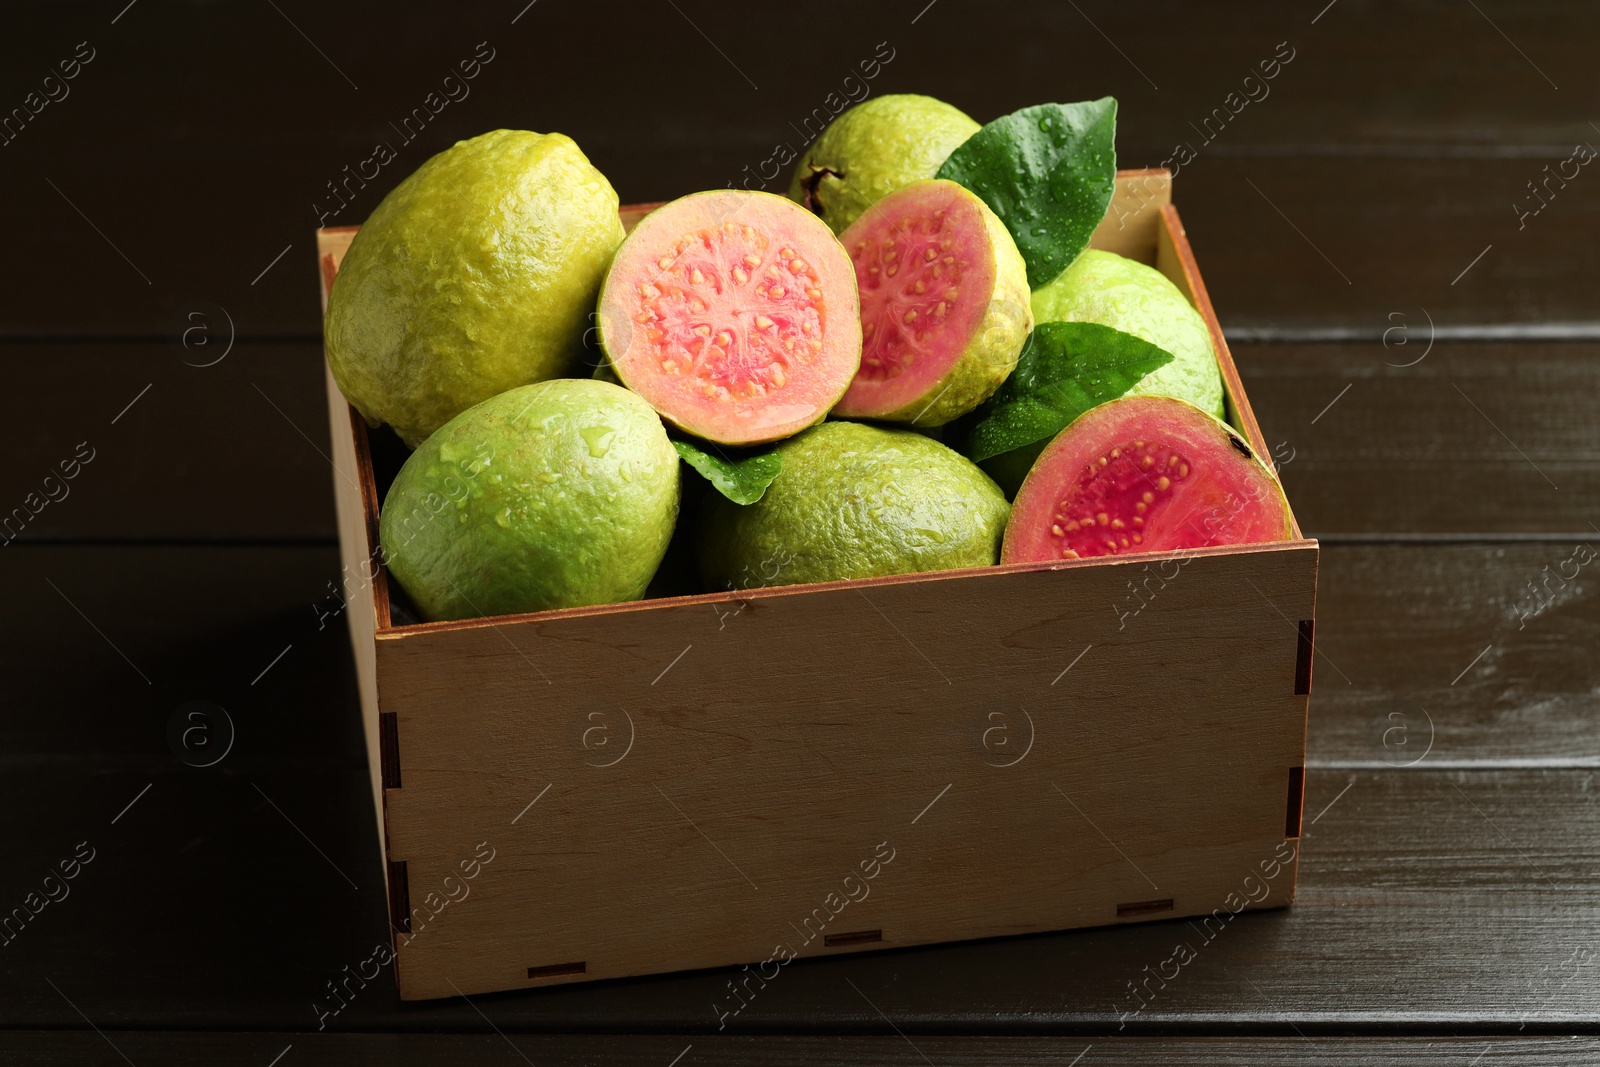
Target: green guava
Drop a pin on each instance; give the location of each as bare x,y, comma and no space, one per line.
734,313
1144,474
1127,295
476,274
944,305
854,501
554,495
873,149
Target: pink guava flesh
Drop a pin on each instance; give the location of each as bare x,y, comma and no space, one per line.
925,268
1143,474
734,314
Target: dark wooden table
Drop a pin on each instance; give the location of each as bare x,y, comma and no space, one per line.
1419,333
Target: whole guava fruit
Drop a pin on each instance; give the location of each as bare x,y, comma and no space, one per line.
475,275
873,149
1144,474
735,314
1126,295
944,305
555,495
854,501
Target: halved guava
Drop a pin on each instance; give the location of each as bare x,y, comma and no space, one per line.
873,149
734,313
1126,295
1144,474
944,305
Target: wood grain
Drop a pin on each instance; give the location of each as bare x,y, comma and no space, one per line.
744,805
1437,902
1402,621
1345,242
311,1049
427,828
1402,453
1351,85
364,590
1473,654
1474,438
1430,218
1364,142
1177,262
1474,892
106,642
1371,915
233,450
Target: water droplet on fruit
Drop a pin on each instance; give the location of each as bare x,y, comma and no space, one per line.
599,439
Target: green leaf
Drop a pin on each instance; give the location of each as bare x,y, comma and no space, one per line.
1065,369
743,480
1048,172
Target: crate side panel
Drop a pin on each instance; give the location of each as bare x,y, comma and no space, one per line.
699,785
1175,259
354,514
1133,216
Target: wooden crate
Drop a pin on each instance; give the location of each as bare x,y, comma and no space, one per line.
731,779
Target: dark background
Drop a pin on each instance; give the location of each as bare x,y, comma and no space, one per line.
160,307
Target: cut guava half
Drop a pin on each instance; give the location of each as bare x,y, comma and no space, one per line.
944,305
734,314
1144,474
874,148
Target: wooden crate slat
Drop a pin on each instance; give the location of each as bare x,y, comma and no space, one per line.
1406,882
734,724
1375,464
314,1049
1347,203
250,125
1401,620
1492,439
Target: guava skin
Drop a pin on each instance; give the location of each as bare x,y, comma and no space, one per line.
991,357
475,275
555,495
1126,295
1144,474
855,501
991,353
873,149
